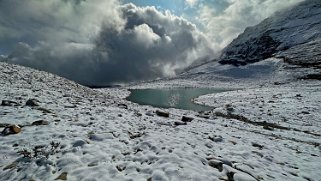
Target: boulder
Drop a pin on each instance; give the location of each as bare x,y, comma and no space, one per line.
162,114
62,176
187,119
40,122
12,129
32,102
216,164
123,106
9,103
179,123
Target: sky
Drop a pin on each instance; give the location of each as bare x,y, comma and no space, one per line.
100,42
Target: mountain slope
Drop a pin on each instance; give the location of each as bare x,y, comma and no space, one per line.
293,34
76,133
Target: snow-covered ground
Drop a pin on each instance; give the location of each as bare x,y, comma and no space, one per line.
97,135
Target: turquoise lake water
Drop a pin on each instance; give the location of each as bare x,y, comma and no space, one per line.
180,98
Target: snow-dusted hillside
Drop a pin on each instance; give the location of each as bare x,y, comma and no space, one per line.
69,132
293,34
284,47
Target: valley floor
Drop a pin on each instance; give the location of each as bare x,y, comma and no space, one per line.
262,131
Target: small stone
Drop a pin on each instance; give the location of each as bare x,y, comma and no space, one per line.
62,176
92,164
95,137
70,106
208,145
305,112
268,128
258,146
11,166
216,138
44,110
216,164
179,123
32,102
123,106
79,143
9,103
187,119
12,129
40,122
135,134
230,176
162,114
204,116
121,168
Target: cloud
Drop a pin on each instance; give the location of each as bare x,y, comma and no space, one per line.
222,26
97,41
191,3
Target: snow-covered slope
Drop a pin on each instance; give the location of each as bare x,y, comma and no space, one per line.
294,34
75,133
284,47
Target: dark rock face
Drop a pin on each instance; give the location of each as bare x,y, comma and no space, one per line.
294,34
253,50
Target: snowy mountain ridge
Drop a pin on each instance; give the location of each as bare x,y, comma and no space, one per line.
293,34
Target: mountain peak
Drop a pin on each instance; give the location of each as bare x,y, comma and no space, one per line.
293,34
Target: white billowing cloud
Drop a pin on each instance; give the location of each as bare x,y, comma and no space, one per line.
223,27
98,41
152,44
191,3
145,35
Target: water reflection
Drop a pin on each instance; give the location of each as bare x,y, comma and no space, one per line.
180,98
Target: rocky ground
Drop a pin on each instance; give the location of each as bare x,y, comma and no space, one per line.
54,129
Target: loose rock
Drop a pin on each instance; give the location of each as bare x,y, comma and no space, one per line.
258,146
9,103
12,129
79,143
11,166
162,114
179,123
216,138
40,122
187,119
216,164
32,102
44,110
123,106
62,176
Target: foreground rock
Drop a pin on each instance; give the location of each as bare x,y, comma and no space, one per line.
162,114
12,129
9,103
40,122
32,103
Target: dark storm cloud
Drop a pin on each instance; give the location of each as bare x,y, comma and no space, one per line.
98,42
